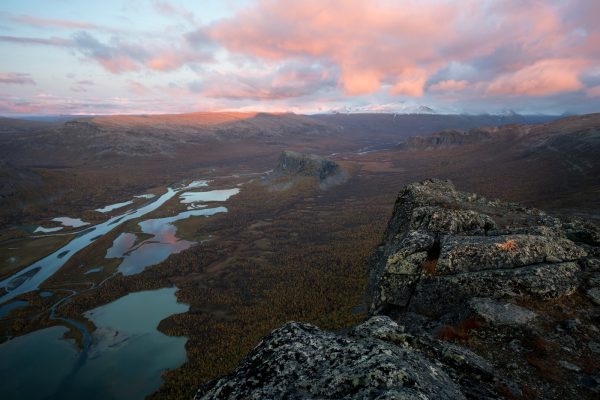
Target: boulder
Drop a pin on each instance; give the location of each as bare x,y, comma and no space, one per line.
450,245
499,313
299,361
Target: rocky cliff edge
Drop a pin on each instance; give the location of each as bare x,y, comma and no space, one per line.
469,299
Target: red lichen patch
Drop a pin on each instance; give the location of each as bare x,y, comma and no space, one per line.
510,244
429,266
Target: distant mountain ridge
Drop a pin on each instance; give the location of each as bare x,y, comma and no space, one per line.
584,129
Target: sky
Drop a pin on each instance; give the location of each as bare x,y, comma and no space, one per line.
159,56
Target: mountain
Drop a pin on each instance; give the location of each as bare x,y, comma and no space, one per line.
470,298
390,126
448,138
553,165
293,165
578,133
423,110
131,153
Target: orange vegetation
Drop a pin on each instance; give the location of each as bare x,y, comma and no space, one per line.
510,244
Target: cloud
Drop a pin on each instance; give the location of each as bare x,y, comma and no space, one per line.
449,54
50,23
53,41
169,9
138,88
372,43
403,47
119,56
545,77
45,104
16,78
593,91
289,80
449,85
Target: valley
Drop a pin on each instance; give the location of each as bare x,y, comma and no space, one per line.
205,212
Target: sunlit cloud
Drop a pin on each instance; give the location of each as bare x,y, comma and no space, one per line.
471,55
138,88
449,85
544,77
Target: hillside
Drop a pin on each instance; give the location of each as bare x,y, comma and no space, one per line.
470,298
293,166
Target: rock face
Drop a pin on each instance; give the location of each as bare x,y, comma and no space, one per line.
450,245
377,360
293,164
469,299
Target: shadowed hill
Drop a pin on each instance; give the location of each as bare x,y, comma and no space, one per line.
293,165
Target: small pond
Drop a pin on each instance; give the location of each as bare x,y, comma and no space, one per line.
125,361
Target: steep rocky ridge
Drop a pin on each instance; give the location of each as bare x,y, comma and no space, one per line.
292,164
470,298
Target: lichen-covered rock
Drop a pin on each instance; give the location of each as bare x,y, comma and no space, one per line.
299,361
594,294
476,253
438,293
499,313
443,246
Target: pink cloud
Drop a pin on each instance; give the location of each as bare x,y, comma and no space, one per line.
171,60
380,44
372,43
16,78
545,77
119,56
593,91
285,81
119,64
138,88
410,84
449,85
46,22
283,53
360,81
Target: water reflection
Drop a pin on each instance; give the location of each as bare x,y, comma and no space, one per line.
31,277
125,361
212,195
161,245
113,206
72,222
5,309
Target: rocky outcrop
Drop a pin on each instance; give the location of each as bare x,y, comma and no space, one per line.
376,360
299,165
469,299
450,245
